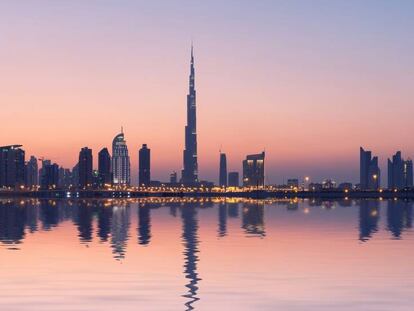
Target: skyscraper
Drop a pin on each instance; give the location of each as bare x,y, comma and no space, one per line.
144,171
85,168
223,170
233,179
121,173
408,173
400,172
190,170
12,166
32,173
104,167
253,170
370,174
50,175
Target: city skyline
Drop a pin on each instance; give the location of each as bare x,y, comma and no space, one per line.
262,83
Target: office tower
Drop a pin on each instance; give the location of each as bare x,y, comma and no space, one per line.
104,167
144,173
253,170
400,172
408,173
50,176
85,168
396,171
12,166
121,174
190,170
75,175
370,174
223,170
173,178
293,183
32,173
233,179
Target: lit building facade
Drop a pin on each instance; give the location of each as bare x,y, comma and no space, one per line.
121,172
190,164
254,170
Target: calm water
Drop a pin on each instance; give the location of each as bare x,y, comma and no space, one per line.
206,255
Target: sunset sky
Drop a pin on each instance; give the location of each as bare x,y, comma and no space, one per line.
308,81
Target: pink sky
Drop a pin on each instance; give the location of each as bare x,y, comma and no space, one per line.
309,86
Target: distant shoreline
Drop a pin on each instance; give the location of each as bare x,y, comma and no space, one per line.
260,194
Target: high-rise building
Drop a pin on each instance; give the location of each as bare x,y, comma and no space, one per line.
32,173
370,174
85,168
400,172
253,170
121,173
75,175
50,175
12,166
223,170
173,178
233,179
104,167
408,173
190,169
144,170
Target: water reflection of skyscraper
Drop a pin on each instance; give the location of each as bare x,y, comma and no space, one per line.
120,228
222,219
104,221
368,219
190,242
399,217
233,210
12,224
83,220
144,224
253,219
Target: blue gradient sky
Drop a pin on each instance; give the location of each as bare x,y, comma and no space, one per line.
310,81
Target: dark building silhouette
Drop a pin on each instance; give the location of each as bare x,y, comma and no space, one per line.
223,170
144,225
408,173
144,173
190,170
400,172
75,175
31,173
85,168
173,178
368,219
50,175
233,179
370,174
253,170
104,167
12,166
190,241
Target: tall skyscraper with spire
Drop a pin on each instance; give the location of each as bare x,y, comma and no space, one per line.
190,170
